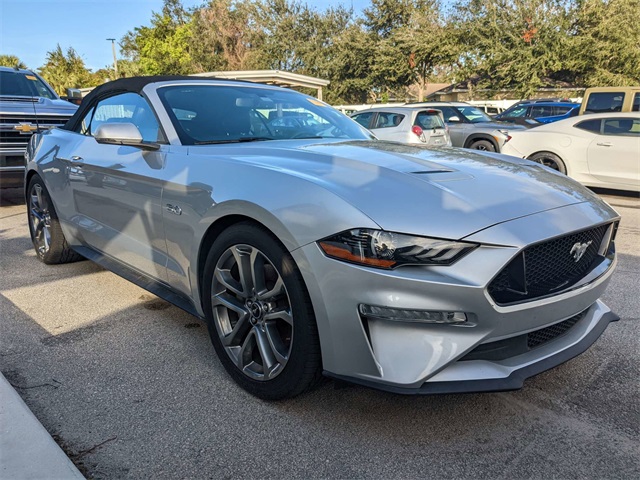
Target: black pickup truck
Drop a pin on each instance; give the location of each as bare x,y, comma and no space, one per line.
27,104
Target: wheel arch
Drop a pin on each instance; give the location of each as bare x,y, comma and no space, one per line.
214,230
30,174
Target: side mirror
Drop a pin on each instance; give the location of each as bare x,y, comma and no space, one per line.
122,134
454,119
74,96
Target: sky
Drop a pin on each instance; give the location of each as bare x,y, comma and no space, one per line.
31,28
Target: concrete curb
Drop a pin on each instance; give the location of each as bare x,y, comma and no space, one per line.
27,451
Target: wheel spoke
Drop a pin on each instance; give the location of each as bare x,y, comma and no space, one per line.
244,354
277,289
243,259
275,342
238,332
265,351
228,282
41,200
37,214
38,224
280,314
257,272
230,302
46,235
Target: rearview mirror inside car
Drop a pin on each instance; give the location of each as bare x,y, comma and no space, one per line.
454,119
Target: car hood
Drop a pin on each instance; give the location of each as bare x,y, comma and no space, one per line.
446,192
43,106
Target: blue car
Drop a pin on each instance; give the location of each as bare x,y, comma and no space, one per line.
543,112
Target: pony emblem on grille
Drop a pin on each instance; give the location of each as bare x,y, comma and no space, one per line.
578,250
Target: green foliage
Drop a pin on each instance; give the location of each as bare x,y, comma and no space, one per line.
162,48
394,46
605,49
65,70
11,61
520,44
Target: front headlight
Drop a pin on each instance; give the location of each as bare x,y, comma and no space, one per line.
382,249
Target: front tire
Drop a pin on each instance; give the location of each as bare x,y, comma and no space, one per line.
46,234
550,160
483,145
259,314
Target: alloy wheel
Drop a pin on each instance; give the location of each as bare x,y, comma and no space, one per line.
252,312
549,162
40,217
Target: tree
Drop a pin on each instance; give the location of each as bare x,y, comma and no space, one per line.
427,45
605,45
226,36
350,66
162,48
411,41
11,61
64,71
513,44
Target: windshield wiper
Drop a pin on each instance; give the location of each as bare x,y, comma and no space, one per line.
235,140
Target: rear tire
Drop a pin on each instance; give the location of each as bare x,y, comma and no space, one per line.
46,234
484,145
259,314
550,160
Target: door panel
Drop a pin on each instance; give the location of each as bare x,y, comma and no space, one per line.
116,195
614,155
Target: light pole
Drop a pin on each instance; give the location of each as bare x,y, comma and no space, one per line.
115,60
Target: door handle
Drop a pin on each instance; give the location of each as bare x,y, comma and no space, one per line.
75,160
604,144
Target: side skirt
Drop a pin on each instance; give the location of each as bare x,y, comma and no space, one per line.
140,279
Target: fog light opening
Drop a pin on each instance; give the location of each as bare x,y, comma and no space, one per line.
405,315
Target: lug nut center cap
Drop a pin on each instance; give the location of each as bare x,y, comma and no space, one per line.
256,310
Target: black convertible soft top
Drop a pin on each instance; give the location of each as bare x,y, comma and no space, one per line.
122,85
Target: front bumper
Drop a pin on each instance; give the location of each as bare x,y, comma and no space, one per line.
483,376
428,358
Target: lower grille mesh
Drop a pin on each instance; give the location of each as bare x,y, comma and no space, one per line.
514,346
544,335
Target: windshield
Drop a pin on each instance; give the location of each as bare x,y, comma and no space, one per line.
19,84
207,114
474,115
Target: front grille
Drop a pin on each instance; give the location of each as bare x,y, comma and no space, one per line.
13,141
548,267
511,347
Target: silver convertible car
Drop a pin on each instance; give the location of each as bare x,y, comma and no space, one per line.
310,247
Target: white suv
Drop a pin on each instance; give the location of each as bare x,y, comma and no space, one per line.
406,124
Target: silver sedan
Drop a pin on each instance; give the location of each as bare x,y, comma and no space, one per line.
309,247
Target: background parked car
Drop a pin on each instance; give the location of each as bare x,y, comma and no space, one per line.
27,104
470,127
611,99
406,125
543,112
600,150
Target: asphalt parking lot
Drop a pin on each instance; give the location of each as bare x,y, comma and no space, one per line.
130,387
